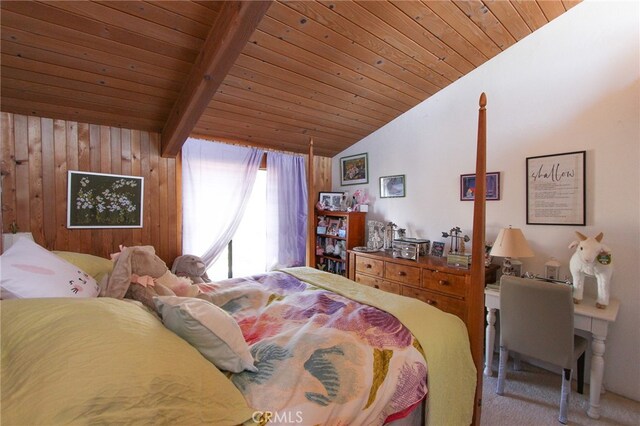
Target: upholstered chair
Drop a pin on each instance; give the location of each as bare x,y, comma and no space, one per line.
536,320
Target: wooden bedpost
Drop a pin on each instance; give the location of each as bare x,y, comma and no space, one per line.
310,205
476,302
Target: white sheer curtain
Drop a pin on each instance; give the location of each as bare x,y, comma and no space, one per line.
286,211
217,180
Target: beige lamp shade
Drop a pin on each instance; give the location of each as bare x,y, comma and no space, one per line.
510,242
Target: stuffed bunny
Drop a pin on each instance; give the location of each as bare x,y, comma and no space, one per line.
138,273
192,267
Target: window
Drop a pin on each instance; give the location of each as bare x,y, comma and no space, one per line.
249,242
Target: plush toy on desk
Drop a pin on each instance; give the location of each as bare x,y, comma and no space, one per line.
138,273
192,267
591,258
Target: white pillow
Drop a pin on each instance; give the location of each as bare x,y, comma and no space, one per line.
209,329
29,270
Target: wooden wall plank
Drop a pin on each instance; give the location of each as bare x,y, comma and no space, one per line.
85,131
38,152
34,194
136,164
154,187
145,166
8,168
73,155
42,150
60,168
163,200
23,205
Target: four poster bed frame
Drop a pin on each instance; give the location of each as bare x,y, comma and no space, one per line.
151,364
475,315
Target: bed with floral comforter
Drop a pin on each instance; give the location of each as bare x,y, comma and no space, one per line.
322,358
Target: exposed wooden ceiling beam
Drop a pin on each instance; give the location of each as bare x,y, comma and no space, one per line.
226,39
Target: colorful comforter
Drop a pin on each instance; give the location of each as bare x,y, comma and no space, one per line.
322,358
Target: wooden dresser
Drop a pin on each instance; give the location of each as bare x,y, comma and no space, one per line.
429,279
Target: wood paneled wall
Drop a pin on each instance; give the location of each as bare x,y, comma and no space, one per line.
38,152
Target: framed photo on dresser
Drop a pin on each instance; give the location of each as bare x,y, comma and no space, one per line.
437,248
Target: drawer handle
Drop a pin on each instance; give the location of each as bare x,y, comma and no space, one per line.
432,302
402,273
368,266
443,282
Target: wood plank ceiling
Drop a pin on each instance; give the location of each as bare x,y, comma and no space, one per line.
332,70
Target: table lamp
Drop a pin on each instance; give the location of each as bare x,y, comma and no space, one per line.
510,243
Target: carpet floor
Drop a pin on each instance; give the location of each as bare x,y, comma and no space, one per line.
532,397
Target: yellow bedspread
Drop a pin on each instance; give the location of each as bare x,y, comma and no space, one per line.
444,339
105,361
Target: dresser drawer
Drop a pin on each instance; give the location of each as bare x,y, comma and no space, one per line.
445,303
443,282
369,266
402,273
378,283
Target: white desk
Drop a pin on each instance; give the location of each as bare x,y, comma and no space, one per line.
586,317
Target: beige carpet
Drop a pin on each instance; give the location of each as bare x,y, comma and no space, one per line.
532,397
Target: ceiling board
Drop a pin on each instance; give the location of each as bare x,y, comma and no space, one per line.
332,70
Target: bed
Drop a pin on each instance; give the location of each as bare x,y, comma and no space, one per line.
321,357
295,346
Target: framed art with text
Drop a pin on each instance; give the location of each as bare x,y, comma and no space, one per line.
99,200
556,189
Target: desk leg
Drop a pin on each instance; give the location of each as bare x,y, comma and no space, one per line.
490,337
597,370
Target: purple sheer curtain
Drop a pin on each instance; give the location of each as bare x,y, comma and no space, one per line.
217,180
286,211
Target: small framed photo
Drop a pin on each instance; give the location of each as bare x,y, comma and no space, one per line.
98,200
437,248
354,170
468,187
330,200
392,186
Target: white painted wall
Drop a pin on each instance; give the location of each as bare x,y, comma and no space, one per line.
572,85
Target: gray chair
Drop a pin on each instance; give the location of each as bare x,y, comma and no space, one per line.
536,320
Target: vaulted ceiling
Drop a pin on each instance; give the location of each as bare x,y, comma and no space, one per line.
271,74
